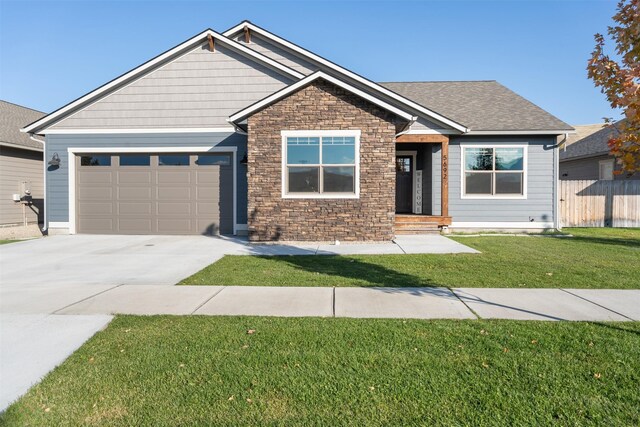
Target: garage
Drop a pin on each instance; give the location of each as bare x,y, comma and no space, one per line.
164,193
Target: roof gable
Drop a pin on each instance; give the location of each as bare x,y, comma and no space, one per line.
254,108
159,60
331,67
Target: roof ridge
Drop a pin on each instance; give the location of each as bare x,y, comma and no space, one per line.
22,106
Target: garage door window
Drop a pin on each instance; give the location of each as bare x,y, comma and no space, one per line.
174,160
135,160
95,160
214,160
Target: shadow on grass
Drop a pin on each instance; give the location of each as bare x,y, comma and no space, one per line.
366,274
617,327
617,241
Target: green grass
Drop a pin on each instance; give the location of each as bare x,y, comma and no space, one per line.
167,371
4,242
593,258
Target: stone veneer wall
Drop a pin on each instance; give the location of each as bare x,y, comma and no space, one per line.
322,106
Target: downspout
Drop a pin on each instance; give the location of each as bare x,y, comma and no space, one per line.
44,175
556,174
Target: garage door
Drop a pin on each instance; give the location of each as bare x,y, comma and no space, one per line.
154,193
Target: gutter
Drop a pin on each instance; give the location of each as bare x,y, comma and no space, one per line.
44,177
407,127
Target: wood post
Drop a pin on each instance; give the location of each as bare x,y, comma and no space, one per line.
444,191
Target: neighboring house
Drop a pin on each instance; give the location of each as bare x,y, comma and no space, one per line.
246,132
21,168
589,158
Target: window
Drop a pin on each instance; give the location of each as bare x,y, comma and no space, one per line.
320,164
605,170
173,160
214,160
95,160
494,172
135,160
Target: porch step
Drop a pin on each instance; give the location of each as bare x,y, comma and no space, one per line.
419,224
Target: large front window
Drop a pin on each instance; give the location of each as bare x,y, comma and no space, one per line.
320,164
494,172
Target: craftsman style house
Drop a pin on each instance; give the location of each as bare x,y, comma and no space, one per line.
246,132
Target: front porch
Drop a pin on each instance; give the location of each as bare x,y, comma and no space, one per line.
422,183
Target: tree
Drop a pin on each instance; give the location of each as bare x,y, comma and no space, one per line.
620,81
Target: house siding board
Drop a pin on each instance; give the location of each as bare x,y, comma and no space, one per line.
283,56
540,184
423,124
322,106
16,166
589,168
199,89
58,180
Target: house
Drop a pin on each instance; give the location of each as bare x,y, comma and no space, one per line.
589,157
244,132
21,171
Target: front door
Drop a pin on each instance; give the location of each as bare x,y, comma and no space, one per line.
404,184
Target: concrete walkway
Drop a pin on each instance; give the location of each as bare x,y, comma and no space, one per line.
42,325
418,303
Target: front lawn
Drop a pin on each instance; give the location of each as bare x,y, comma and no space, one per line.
167,371
593,258
4,242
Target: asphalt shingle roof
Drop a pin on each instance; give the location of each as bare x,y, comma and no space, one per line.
595,144
14,117
479,105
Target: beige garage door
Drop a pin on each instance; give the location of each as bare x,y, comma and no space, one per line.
154,193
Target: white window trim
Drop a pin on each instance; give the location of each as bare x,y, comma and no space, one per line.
606,162
74,151
319,133
525,173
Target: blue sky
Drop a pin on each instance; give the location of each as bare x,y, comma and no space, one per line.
52,52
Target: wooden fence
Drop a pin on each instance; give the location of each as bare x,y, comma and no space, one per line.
592,203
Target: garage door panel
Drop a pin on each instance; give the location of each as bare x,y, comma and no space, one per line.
96,225
137,226
134,193
132,177
174,193
134,208
96,177
171,208
95,208
174,177
208,176
154,199
95,193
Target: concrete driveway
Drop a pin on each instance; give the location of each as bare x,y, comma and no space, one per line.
109,260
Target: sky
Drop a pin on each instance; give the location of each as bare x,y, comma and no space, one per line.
52,52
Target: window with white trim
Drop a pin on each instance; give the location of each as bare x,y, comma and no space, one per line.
494,172
320,165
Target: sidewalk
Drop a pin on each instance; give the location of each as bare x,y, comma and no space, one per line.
417,303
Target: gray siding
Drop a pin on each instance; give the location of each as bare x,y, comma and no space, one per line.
285,57
589,169
16,166
540,184
58,179
424,124
199,89
581,168
298,63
